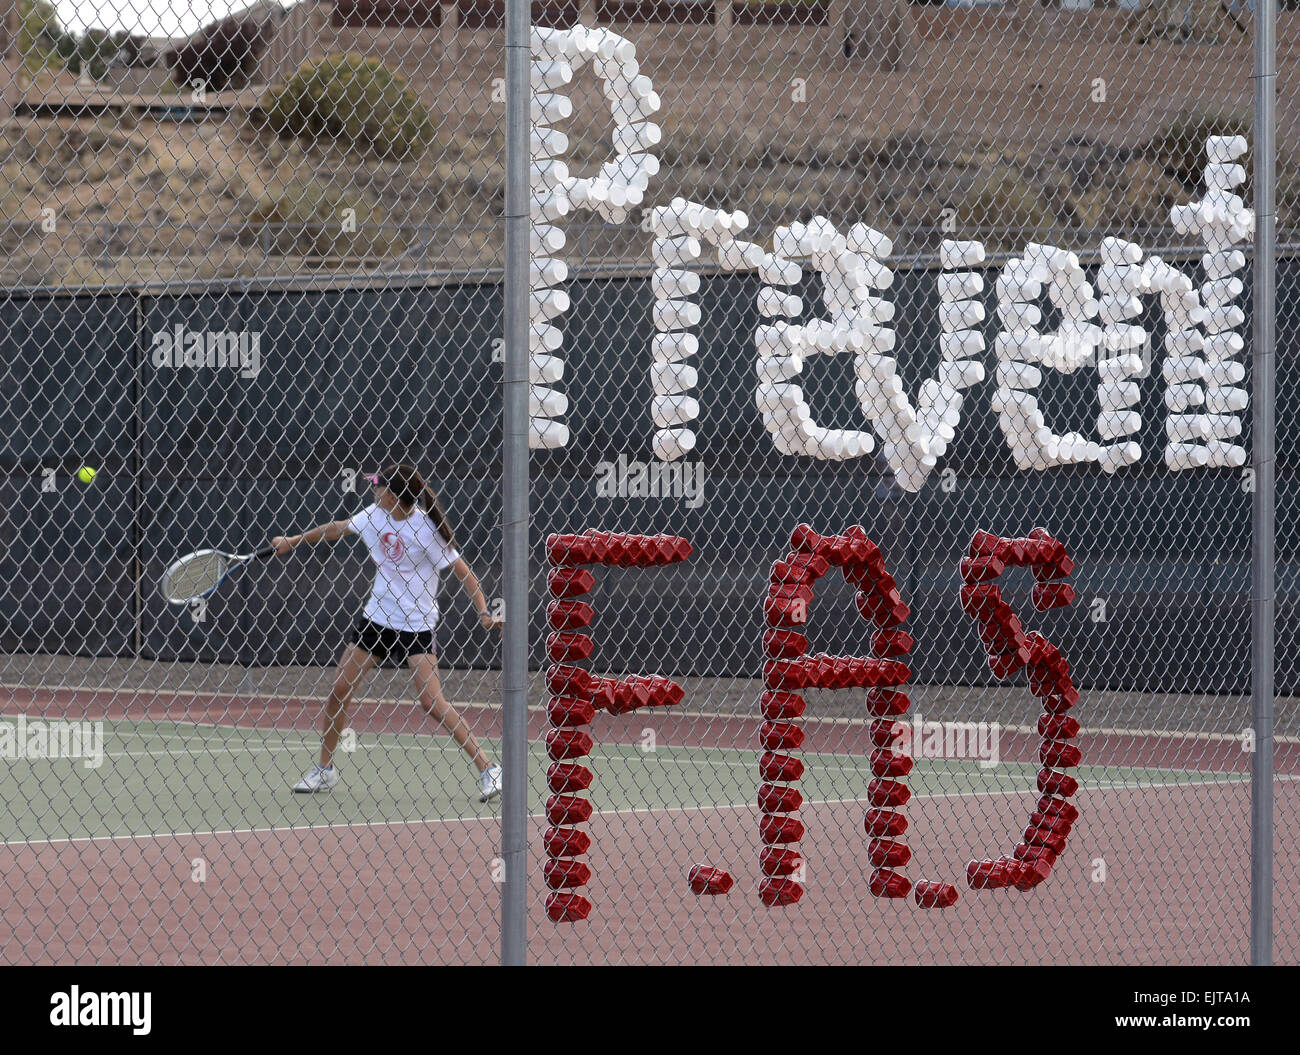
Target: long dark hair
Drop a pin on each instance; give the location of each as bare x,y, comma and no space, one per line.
408,487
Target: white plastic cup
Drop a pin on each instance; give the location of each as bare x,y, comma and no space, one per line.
637,138
1118,251
667,379
1018,375
1186,456
1183,368
545,369
1117,309
1224,345
961,344
959,285
1226,400
549,107
1226,317
961,373
675,315
773,302
543,239
1224,455
545,74
776,369
673,347
545,434
547,304
774,398
1117,395
1222,149
779,272
548,206
546,271
1223,264
668,283
955,254
1184,342
545,338
740,256
1014,316
1112,424
1179,398
1118,455
960,315
1221,292
675,252
546,402
667,411
671,444
1014,287
1119,368
1224,373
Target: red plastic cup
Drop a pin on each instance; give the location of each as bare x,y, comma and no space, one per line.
991,875
570,710
1059,755
880,824
886,643
1060,568
628,695
864,576
929,894
568,776
1042,837
567,809
1054,807
565,680
564,874
1057,727
785,674
706,880
772,798
881,611
566,842
980,569
783,571
568,615
567,908
1061,700
785,611
569,582
783,644
569,550
1032,873
816,564
803,539
1057,783
780,736
884,732
885,882
1052,823
568,743
774,828
779,767
776,705
980,599
884,702
561,647
887,792
888,853
777,861
798,591
984,544
886,763
1029,854
1049,595
778,892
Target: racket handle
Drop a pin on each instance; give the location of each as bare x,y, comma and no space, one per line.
264,552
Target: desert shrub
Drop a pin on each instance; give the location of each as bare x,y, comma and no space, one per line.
358,101
1180,146
224,55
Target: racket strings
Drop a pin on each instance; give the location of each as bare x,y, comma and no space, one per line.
193,576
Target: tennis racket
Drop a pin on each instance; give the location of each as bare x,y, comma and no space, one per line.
198,574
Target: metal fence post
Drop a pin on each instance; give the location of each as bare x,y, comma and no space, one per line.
1262,523
514,499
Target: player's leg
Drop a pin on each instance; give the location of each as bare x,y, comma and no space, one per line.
353,666
424,668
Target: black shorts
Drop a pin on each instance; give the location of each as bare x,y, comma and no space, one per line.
387,645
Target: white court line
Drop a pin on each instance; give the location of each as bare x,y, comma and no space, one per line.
634,811
538,709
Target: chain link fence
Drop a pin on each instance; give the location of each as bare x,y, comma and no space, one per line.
890,402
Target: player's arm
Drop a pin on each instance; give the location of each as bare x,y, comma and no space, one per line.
470,581
331,532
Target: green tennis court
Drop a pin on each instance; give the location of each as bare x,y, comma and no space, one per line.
158,778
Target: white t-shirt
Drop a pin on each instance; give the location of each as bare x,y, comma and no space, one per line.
409,556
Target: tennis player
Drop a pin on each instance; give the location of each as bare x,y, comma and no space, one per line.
411,542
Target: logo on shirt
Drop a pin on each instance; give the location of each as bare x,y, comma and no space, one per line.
394,548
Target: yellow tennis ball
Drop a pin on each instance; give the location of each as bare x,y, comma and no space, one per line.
86,475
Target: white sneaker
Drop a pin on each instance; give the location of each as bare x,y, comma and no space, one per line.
319,779
490,783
